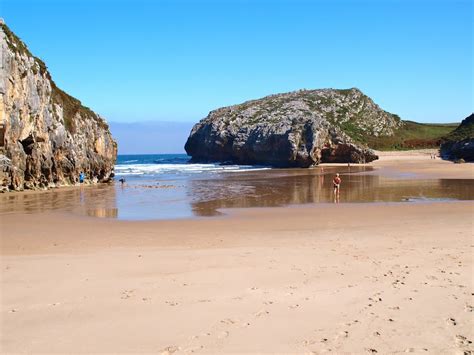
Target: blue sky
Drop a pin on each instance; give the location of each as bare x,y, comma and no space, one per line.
177,60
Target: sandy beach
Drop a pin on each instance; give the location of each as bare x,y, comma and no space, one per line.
419,163
341,278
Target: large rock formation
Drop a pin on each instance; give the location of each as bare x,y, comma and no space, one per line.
459,144
296,129
46,136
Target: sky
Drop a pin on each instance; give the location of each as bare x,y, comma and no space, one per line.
163,137
174,61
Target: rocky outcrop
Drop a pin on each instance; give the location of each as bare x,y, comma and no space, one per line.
47,137
296,129
459,144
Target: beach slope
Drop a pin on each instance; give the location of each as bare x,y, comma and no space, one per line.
360,278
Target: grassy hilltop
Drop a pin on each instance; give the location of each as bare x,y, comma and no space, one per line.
412,135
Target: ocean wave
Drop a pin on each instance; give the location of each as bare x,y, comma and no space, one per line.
155,169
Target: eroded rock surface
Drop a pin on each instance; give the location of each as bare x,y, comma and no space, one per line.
47,137
296,129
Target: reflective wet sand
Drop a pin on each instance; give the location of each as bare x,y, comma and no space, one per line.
205,195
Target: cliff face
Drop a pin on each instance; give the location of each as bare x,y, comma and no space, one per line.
298,129
46,136
459,144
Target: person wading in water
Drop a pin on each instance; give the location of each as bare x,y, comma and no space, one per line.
336,184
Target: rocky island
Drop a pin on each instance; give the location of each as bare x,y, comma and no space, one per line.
47,137
296,129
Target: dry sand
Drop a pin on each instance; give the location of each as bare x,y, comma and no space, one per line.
420,163
358,278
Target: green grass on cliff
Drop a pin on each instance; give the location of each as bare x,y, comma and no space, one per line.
71,106
412,135
464,131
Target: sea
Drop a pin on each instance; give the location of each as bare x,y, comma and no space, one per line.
170,166
169,186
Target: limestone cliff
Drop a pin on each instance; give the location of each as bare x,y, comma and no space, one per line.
300,129
47,137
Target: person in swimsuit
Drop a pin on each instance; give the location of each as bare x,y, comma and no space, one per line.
336,184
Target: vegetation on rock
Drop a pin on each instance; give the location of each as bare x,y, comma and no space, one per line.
412,135
459,144
299,128
71,106
49,136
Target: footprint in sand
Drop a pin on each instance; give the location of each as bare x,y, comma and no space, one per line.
169,350
461,341
228,321
223,334
451,321
127,294
193,349
343,334
306,342
371,350
262,313
375,299
468,308
171,303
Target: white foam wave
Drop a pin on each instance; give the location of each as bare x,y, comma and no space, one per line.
153,169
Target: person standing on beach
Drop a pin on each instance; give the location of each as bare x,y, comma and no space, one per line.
81,177
336,184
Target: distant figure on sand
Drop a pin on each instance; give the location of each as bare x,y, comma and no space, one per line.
81,177
336,184
122,181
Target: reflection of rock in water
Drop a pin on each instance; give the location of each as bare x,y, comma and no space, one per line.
275,188
80,200
458,188
270,188
103,212
100,202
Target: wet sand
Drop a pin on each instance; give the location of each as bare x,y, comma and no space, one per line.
359,278
400,177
